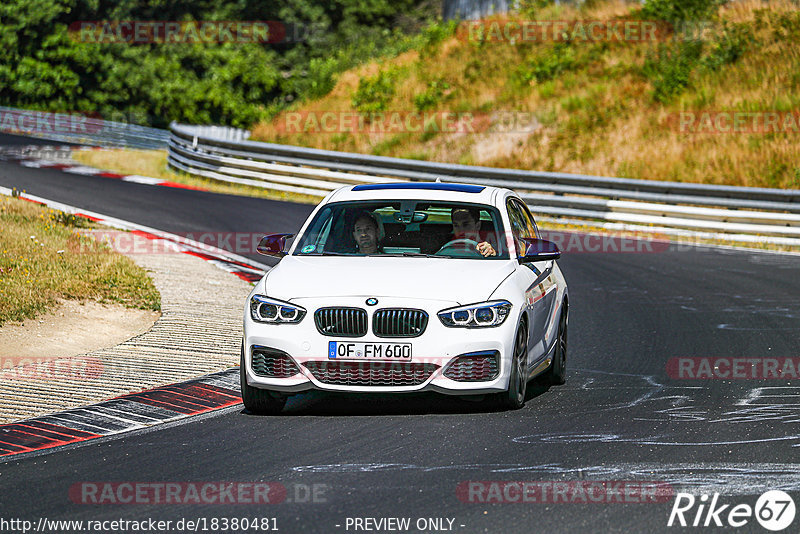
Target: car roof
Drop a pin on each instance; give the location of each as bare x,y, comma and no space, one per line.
437,191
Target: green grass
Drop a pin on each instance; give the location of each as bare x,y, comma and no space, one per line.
44,259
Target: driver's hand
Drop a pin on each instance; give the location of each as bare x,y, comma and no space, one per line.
486,249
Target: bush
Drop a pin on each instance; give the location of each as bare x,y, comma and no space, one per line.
45,67
670,67
433,35
786,26
531,8
560,58
732,45
680,10
374,93
432,95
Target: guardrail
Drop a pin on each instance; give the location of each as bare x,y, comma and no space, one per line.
80,129
744,211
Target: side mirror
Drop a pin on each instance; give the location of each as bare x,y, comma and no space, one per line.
273,245
538,250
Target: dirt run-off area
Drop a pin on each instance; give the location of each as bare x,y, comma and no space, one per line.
70,329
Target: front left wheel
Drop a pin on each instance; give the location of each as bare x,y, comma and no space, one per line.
557,374
256,400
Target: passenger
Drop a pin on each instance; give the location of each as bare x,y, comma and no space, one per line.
466,225
365,233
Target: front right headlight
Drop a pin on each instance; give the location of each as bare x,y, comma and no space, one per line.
271,311
484,314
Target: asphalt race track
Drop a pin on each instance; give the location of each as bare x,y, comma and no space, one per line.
180,211
622,416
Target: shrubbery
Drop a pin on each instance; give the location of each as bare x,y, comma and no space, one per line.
680,10
374,93
431,97
43,67
700,41
555,60
670,67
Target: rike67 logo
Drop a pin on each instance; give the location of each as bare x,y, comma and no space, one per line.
774,510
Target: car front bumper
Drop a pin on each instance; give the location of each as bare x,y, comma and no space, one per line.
436,348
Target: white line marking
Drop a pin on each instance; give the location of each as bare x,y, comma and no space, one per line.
143,179
87,171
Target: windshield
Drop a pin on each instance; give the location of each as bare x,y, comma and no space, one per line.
405,228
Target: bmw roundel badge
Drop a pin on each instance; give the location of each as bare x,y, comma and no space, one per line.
372,301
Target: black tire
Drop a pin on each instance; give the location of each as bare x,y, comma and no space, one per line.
256,400
514,397
557,374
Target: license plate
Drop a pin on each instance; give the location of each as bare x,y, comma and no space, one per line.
345,350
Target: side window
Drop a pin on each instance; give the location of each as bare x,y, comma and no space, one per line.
324,234
530,222
519,227
314,238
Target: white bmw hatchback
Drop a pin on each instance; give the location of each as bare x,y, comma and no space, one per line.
407,287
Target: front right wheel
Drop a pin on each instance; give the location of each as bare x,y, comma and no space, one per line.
256,400
514,397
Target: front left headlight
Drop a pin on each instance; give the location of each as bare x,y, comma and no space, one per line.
271,311
479,315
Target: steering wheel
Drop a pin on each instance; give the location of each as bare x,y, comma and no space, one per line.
471,246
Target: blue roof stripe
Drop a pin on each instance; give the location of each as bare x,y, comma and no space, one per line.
433,186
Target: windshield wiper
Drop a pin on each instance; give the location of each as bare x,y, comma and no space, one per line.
379,254
323,254
409,255
421,255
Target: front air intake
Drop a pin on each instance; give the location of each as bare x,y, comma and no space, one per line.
272,363
371,373
474,367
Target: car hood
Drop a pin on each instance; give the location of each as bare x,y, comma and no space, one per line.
462,281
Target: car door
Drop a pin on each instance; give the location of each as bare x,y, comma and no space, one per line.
548,287
532,278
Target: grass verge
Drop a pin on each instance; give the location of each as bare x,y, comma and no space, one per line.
43,259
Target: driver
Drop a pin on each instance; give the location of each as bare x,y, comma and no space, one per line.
466,225
365,233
